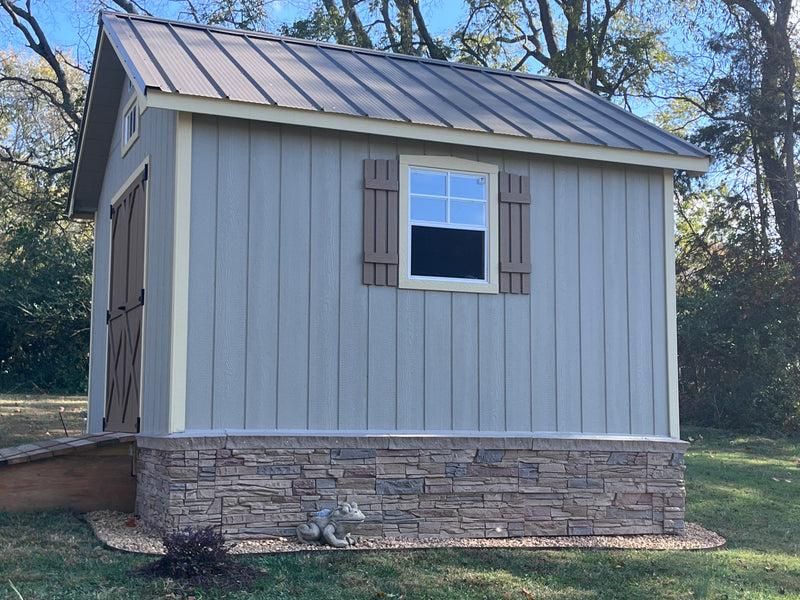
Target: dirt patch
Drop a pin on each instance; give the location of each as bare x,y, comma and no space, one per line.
124,532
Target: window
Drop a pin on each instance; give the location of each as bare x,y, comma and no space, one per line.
442,223
448,224
130,124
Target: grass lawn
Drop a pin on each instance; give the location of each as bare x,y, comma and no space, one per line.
26,418
746,488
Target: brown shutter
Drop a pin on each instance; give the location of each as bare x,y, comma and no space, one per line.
515,233
381,183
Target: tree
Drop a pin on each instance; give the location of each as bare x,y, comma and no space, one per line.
45,259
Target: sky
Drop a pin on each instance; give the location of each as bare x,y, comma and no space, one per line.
69,26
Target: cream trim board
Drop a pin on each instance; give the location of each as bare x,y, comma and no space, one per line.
179,335
672,326
132,107
368,125
448,163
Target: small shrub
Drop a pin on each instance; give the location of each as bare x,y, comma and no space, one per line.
194,553
200,558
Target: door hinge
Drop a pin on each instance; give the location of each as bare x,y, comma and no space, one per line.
141,297
111,215
108,317
146,173
104,423
138,424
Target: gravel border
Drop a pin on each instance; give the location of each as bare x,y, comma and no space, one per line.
125,532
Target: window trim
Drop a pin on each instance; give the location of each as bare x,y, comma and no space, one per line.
448,163
131,106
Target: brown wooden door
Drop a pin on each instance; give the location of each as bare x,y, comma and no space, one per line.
126,305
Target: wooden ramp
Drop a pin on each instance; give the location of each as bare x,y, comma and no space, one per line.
91,472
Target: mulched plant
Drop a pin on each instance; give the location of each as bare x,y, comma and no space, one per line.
200,559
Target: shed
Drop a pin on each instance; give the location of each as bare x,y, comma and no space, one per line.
328,274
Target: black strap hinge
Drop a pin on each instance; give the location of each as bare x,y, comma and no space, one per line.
141,297
111,215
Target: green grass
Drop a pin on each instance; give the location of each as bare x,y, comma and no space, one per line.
735,485
26,418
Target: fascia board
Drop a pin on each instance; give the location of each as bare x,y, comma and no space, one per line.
156,98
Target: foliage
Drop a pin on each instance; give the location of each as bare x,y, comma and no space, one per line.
738,318
200,558
45,259
194,553
736,486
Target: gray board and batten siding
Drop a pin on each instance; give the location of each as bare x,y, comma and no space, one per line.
284,336
156,148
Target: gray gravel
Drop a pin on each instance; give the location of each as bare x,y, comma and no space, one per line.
124,532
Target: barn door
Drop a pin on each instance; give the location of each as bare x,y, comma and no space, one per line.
126,305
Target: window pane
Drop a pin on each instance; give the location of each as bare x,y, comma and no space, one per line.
428,182
428,209
468,213
468,186
441,252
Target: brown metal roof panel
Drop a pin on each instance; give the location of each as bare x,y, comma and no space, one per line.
177,64
435,99
542,109
483,88
141,64
412,107
650,137
352,79
579,126
273,83
437,76
225,73
304,80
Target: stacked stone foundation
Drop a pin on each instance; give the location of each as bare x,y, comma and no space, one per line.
414,486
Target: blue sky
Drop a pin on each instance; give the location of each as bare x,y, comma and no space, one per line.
70,26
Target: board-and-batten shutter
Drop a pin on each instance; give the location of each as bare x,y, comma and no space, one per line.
381,183
515,233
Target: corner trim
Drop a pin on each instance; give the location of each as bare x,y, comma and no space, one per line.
672,323
179,336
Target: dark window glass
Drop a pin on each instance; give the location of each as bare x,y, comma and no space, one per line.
442,252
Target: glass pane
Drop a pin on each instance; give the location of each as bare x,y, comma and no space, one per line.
428,182
468,186
428,209
440,252
468,213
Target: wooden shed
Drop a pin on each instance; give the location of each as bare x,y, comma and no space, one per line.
328,274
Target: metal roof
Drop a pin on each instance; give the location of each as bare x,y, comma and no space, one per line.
172,62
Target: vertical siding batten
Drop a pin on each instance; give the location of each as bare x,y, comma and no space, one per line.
263,283
568,391
640,341
615,277
230,325
658,279
293,355
324,281
353,302
542,306
465,363
202,275
592,335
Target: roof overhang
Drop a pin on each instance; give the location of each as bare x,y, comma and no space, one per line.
369,125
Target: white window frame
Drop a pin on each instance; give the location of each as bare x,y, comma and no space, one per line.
447,163
129,137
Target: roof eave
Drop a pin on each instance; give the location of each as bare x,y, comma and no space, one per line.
156,98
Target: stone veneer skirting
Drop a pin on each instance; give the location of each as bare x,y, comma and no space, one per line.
259,486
